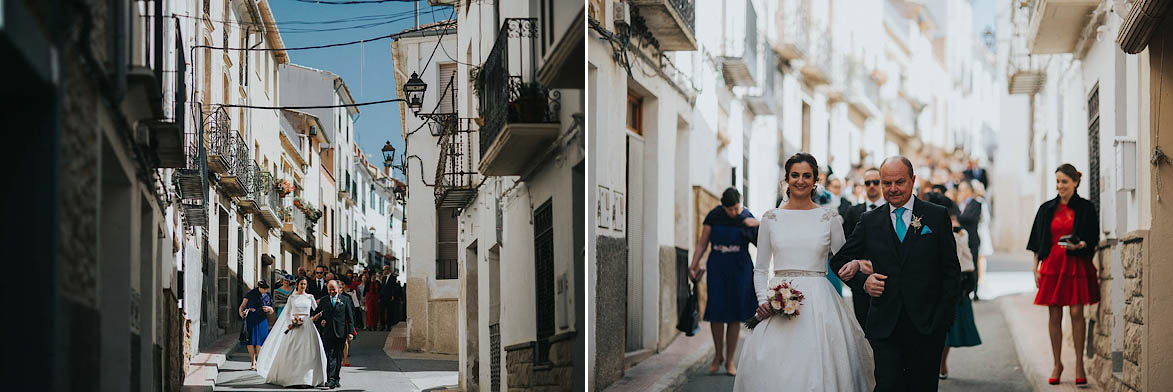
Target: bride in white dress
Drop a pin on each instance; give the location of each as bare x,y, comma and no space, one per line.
823,347
296,357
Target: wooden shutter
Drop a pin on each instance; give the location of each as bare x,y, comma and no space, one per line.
447,82
544,279
446,244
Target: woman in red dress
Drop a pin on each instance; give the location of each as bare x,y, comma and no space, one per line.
1063,239
371,296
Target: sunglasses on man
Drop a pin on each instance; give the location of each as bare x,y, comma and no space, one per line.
871,182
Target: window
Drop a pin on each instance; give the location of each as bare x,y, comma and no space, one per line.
544,279
446,244
446,85
635,116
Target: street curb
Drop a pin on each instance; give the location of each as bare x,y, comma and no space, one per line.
668,370
205,366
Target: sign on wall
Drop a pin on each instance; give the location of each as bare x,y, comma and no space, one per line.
603,209
619,211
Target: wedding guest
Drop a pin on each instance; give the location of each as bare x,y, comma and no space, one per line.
281,294
317,285
964,331
371,299
354,300
388,295
252,309
730,284
1064,237
301,274
971,215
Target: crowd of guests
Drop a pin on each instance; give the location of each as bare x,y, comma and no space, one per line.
379,297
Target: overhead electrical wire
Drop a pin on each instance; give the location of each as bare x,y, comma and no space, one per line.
353,2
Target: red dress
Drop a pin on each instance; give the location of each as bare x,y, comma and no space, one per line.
372,300
1066,279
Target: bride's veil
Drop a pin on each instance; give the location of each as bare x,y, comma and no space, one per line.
269,348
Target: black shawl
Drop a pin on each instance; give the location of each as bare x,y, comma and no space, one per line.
1086,227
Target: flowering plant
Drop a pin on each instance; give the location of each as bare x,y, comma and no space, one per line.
915,222
284,187
784,299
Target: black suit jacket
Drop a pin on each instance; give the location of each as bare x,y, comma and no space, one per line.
388,288
1086,227
339,318
923,272
317,291
971,214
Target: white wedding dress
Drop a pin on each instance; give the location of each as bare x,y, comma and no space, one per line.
297,357
823,347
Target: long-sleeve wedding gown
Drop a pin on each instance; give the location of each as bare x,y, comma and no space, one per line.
821,349
297,357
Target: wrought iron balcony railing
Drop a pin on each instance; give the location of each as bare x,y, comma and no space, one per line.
455,173
509,92
221,140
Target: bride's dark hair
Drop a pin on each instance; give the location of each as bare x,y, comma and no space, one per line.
297,282
800,158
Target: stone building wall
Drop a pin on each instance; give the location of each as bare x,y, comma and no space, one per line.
1128,375
610,299
558,375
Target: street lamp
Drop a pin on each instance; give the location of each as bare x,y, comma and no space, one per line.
388,155
414,88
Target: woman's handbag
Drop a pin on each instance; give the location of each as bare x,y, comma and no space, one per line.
244,332
688,321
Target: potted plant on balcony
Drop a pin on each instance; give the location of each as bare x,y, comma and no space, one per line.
284,187
530,105
297,202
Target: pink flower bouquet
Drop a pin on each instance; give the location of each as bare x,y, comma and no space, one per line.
784,299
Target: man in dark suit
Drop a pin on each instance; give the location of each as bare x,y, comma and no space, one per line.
387,297
317,283
874,200
335,317
906,259
971,215
975,172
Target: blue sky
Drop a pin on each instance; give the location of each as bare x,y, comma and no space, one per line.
367,69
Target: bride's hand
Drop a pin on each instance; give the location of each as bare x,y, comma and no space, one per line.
848,270
763,310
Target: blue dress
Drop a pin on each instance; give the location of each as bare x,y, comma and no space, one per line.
257,320
730,269
964,331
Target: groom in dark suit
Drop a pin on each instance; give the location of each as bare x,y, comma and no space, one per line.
335,318
908,265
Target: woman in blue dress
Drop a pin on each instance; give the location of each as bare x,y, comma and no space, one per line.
254,309
731,298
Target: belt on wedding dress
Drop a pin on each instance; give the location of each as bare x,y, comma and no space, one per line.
798,273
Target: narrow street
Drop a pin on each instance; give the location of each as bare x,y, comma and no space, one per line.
371,370
992,366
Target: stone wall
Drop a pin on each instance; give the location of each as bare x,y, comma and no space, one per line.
557,375
667,296
610,310
1128,376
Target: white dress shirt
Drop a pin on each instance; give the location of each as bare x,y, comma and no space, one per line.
906,216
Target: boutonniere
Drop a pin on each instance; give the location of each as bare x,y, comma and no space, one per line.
915,222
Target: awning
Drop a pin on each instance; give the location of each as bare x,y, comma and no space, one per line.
1142,21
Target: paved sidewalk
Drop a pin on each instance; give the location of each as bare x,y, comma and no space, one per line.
668,370
205,366
1028,323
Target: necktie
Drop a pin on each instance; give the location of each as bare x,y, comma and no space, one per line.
871,207
334,301
900,228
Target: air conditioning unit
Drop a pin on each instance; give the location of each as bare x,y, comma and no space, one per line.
622,14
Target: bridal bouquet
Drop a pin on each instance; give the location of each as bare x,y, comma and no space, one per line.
294,323
783,299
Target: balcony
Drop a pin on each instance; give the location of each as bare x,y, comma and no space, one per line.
455,176
793,18
190,182
144,72
267,200
521,116
740,65
248,173
294,227
900,118
761,99
671,21
1057,25
816,70
237,180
